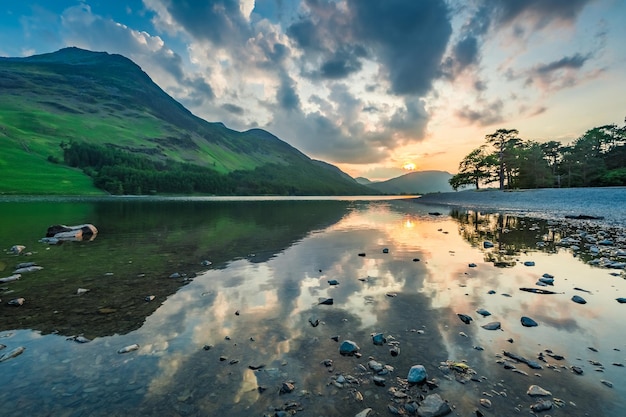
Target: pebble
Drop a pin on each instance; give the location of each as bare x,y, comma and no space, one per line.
464,318
494,325
578,299
537,391
364,413
528,322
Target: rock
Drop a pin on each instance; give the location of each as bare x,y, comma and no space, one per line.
485,402
607,383
464,318
378,380
547,280
314,322
17,249
17,302
433,406
128,348
472,265
578,299
362,254
10,278
483,312
528,322
487,244
33,268
364,413
544,405
82,291
333,282
375,366
577,370
394,351
378,339
326,301
537,391
621,300
494,325
417,374
287,387
175,275
385,250
348,348
529,263
149,298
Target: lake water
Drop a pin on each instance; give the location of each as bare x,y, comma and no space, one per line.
222,338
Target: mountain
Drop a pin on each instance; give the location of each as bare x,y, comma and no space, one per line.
421,182
74,95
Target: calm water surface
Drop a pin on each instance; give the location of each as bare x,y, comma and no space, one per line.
212,337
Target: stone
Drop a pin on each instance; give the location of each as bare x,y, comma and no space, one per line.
378,339
494,325
417,374
544,405
487,244
537,391
528,322
348,348
464,318
483,312
364,413
333,282
578,299
433,406
529,263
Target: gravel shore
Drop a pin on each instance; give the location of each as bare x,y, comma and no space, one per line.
549,203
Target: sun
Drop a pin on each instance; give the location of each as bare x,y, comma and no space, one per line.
409,166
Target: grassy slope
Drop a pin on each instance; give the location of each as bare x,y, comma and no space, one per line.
106,99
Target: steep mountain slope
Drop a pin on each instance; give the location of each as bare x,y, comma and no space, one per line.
100,98
421,182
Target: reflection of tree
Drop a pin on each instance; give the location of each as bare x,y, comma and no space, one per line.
510,235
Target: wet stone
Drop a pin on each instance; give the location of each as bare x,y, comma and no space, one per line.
379,380
433,406
417,374
378,339
578,299
544,405
464,318
528,322
348,348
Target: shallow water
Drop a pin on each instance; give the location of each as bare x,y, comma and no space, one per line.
271,263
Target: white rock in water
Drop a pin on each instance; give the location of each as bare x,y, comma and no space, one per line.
81,291
364,413
128,348
537,391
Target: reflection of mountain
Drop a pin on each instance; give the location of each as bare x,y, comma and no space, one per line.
140,244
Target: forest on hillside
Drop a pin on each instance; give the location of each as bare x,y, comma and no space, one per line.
119,172
595,159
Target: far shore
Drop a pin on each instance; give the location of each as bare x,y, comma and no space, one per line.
608,203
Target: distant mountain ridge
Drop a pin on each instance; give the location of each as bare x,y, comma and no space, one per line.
106,99
420,182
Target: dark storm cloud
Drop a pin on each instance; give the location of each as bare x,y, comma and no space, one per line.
408,37
287,96
466,51
219,21
340,66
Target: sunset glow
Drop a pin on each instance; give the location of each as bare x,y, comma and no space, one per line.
410,166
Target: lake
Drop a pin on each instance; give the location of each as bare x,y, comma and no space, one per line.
239,321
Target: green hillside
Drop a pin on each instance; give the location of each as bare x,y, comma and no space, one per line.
78,96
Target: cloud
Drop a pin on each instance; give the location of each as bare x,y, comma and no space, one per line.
232,108
565,72
486,115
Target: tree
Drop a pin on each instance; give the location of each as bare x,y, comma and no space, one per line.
505,141
473,169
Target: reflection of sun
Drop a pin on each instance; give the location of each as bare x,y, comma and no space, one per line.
409,166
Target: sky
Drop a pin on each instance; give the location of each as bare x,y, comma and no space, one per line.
377,88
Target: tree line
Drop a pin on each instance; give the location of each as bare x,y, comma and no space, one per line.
119,172
595,159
